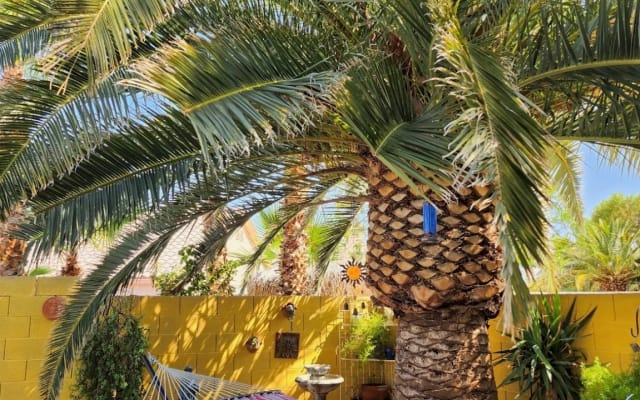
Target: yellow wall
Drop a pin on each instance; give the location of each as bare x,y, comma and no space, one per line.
209,334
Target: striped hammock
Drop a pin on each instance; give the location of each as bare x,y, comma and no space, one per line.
174,384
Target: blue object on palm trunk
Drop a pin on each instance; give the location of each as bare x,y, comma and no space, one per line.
429,222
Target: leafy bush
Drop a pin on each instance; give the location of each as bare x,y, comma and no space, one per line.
369,336
215,279
600,383
111,366
543,361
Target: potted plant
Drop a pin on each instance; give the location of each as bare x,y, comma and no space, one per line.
370,338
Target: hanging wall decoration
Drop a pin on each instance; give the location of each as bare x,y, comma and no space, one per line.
353,272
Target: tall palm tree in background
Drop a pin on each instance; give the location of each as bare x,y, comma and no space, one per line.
11,248
175,110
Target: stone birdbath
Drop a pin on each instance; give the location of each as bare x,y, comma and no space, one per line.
317,381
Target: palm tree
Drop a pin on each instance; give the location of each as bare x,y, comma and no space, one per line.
606,253
11,248
177,110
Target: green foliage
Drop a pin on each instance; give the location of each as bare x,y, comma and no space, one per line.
39,270
369,336
619,206
111,366
188,280
543,361
603,253
600,383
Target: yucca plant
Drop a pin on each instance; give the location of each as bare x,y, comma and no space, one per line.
544,362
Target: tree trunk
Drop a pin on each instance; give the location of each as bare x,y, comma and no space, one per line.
444,354
11,249
294,257
445,291
294,260
612,284
70,267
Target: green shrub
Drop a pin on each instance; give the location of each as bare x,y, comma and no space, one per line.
111,365
187,280
368,338
600,383
543,361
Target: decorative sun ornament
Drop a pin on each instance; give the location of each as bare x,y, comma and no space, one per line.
353,272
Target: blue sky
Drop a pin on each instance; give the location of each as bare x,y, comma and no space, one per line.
599,181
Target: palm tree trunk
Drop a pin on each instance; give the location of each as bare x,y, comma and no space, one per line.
294,260
443,354
71,267
445,291
11,249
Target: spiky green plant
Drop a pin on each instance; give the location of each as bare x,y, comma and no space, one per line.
544,361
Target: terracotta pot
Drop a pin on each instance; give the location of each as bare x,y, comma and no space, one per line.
374,391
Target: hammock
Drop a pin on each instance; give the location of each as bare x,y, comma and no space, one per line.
174,384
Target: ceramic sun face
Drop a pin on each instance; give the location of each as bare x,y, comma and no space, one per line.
353,272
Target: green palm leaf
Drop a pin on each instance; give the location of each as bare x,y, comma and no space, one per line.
238,89
62,129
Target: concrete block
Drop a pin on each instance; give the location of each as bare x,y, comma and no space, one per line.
175,324
259,359
25,349
159,306
17,286
235,305
14,327
231,342
34,367
163,344
26,305
59,285
214,364
204,343
4,305
200,305
625,306
282,324
12,370
258,323
19,391
40,327
216,324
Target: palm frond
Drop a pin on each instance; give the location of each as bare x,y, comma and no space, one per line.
339,218
11,145
624,157
62,129
238,88
580,63
24,30
103,33
564,166
496,137
131,175
91,295
381,113
132,253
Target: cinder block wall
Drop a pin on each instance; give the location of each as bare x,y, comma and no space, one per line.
209,334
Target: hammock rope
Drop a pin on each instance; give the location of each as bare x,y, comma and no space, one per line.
174,384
